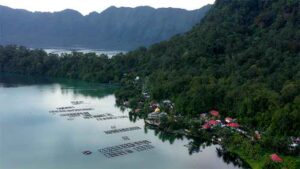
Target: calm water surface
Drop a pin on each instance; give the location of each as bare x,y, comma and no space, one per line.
33,138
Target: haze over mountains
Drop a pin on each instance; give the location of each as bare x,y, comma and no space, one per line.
115,28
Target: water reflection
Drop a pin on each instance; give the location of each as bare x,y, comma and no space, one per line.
97,92
198,145
10,80
66,86
231,158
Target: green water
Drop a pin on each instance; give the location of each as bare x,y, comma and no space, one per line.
33,138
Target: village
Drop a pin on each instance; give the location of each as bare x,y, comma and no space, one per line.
159,113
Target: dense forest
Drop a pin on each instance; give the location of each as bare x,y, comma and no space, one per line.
242,59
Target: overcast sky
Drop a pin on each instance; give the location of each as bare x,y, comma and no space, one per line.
87,6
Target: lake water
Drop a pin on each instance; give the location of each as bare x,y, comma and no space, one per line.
59,51
33,138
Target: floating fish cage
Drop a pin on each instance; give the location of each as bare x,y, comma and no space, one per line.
104,115
63,108
127,148
111,118
76,114
114,131
70,110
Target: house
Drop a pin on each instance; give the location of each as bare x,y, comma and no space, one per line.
213,122
154,105
215,113
153,122
276,158
210,124
156,115
206,126
167,102
153,115
204,116
162,114
154,118
233,125
257,135
228,120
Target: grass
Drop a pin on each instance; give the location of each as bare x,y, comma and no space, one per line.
290,162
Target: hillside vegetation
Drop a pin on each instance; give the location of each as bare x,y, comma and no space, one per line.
242,59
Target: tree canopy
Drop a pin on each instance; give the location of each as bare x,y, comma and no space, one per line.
242,59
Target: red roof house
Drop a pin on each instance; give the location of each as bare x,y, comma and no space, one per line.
206,126
214,113
276,158
234,125
213,122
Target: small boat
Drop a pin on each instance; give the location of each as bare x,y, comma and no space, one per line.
87,152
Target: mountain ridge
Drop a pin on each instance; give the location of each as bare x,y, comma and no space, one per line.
114,28
97,12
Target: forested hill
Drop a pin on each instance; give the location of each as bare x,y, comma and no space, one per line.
242,59
114,28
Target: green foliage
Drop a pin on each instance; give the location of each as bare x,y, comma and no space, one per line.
243,59
272,165
87,67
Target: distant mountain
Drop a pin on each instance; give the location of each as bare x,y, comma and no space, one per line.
114,28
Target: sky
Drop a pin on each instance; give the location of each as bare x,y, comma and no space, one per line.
87,6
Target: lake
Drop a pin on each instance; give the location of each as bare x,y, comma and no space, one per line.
59,51
39,129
